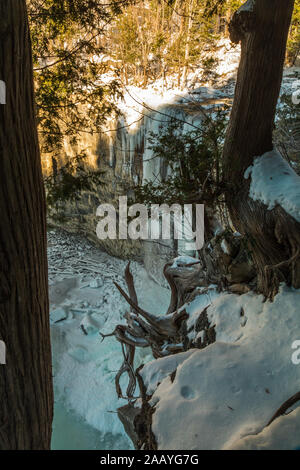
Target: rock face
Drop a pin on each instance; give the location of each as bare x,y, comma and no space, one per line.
123,155
107,153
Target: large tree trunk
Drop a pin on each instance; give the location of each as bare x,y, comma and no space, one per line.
26,379
274,236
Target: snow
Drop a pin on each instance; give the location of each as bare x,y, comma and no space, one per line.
183,260
145,110
71,433
273,182
228,57
225,247
155,371
163,94
95,283
282,434
84,366
90,324
229,313
200,335
228,391
197,306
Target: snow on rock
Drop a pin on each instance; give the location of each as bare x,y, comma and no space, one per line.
282,434
228,391
155,371
229,313
182,261
273,181
58,314
228,57
96,283
202,301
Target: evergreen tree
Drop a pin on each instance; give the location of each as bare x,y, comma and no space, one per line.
67,41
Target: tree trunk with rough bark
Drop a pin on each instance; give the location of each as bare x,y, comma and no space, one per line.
26,380
274,236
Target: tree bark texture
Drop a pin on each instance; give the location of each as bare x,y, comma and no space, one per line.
274,236
26,379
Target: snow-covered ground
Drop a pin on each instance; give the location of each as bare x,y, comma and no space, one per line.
223,396
84,300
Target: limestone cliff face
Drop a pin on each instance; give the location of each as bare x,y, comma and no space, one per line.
120,159
123,154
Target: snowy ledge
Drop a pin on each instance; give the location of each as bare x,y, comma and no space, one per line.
273,181
224,395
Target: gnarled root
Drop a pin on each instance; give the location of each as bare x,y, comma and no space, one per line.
165,334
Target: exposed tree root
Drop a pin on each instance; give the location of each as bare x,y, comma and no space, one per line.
225,262
284,407
167,333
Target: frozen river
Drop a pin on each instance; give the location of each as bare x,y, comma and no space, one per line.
83,302
70,432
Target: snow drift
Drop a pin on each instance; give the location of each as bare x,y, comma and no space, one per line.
273,181
223,396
